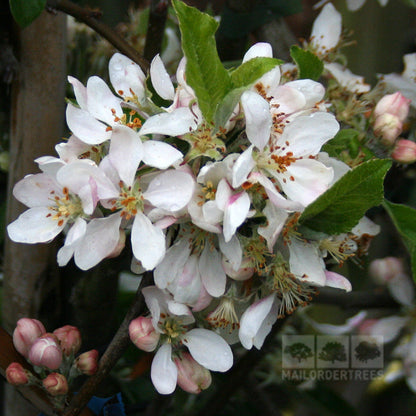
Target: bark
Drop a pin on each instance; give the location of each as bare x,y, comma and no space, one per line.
31,282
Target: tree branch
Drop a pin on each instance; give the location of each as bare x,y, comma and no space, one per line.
91,19
112,354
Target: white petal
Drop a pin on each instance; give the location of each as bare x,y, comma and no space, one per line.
80,92
258,118
212,274
161,80
160,155
242,167
179,121
188,285
337,281
402,289
260,314
276,218
35,225
259,49
232,251
209,349
223,194
85,126
171,190
235,214
312,91
163,372
331,329
389,327
101,238
148,242
125,141
354,5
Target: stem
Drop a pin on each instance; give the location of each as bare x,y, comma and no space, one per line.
91,19
155,28
112,354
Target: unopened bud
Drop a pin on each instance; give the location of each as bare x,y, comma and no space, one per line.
192,376
46,352
16,375
69,338
243,273
384,270
143,334
395,104
404,151
55,384
389,127
87,362
25,334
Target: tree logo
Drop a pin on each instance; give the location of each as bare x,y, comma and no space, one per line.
299,351
333,351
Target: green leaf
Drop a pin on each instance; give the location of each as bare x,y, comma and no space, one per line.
227,105
26,11
404,219
340,208
249,72
410,3
204,70
309,65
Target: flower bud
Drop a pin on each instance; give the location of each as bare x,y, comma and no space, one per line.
16,374
395,104
404,151
46,352
143,334
87,363
55,384
388,126
25,334
192,376
384,270
69,338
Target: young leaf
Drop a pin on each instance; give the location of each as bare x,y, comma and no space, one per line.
204,70
26,11
341,207
309,65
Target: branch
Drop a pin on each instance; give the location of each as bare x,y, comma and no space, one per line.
112,354
91,19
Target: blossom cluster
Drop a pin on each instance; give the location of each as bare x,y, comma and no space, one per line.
212,210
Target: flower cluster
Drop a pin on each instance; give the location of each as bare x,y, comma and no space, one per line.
215,210
53,356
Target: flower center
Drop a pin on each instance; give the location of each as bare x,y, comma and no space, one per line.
208,193
224,315
130,201
66,207
173,329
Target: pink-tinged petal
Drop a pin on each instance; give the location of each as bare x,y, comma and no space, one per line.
161,79
212,274
242,167
171,190
126,77
306,262
312,91
36,225
223,194
102,104
287,100
232,251
203,301
179,121
276,218
331,329
163,372
305,180
402,289
37,190
85,126
337,281
389,327
258,118
187,287
148,242
125,141
259,49
160,155
100,240
235,214
172,264
307,134
256,322
80,92
209,349
326,30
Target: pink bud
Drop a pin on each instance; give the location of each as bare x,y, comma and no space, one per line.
55,384
389,127
366,325
384,270
192,376
16,374
243,273
46,352
26,332
404,151
87,362
395,104
143,334
69,338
